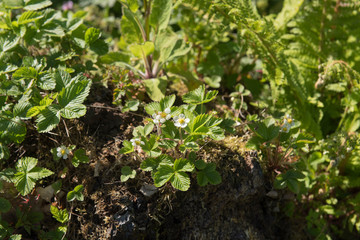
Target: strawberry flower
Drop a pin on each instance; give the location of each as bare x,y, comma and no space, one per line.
181,121
63,152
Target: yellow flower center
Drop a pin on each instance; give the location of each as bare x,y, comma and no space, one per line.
163,114
137,142
285,129
289,120
181,121
63,151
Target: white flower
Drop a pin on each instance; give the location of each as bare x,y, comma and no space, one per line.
63,152
136,142
289,120
161,117
181,121
285,127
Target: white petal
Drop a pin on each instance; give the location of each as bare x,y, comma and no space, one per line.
168,117
162,120
134,144
132,140
58,149
65,156
176,118
158,117
154,115
142,143
59,154
181,116
156,121
187,120
167,110
177,124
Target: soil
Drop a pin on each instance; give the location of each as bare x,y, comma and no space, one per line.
238,208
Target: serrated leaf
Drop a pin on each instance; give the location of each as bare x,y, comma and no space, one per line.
150,164
37,4
131,105
126,173
79,157
25,72
198,96
12,128
181,181
73,110
100,47
152,108
29,16
127,148
91,35
13,4
76,194
8,43
46,81
75,94
200,164
48,119
61,216
183,165
5,205
27,173
164,174
143,131
208,175
62,79
15,237
167,102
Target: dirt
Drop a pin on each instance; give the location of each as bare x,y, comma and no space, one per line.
238,208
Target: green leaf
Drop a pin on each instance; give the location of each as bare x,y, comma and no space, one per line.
91,35
27,173
183,165
198,96
12,128
113,57
213,81
156,88
15,237
75,94
160,14
100,47
62,79
208,175
127,148
151,146
48,119
46,81
76,194
25,72
150,164
197,125
142,50
79,157
164,174
61,216
13,3
4,152
29,16
5,205
143,131
133,5
127,173
167,102
37,4
73,110
131,105
181,181
200,164
152,108
8,43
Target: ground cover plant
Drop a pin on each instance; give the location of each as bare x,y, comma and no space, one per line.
175,81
